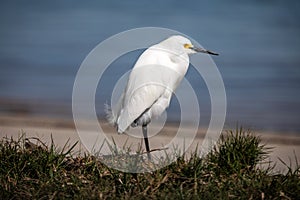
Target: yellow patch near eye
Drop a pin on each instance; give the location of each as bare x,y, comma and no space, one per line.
187,46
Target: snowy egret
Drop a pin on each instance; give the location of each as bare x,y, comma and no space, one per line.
152,81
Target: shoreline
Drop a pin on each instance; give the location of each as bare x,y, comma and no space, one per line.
169,129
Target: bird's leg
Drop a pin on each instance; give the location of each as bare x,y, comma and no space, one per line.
144,127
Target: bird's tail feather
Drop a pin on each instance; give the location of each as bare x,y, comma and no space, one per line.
109,115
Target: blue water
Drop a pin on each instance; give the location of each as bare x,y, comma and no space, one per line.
42,44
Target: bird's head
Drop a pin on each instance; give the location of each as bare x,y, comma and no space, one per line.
185,45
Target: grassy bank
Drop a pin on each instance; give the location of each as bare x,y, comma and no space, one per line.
230,171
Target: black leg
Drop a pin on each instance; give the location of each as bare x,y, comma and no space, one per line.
144,127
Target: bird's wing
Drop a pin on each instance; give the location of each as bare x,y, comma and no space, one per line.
145,86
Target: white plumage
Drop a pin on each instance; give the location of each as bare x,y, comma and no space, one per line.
152,81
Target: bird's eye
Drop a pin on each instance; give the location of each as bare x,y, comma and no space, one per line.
187,46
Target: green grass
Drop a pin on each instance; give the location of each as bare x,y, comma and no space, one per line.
229,171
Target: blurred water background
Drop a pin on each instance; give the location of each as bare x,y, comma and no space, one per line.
42,44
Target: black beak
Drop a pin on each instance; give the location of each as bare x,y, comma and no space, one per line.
200,50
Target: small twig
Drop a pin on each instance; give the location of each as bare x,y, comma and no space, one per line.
158,149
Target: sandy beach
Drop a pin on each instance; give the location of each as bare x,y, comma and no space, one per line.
285,146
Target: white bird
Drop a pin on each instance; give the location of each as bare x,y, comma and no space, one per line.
152,81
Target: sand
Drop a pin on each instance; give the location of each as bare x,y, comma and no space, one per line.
285,146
